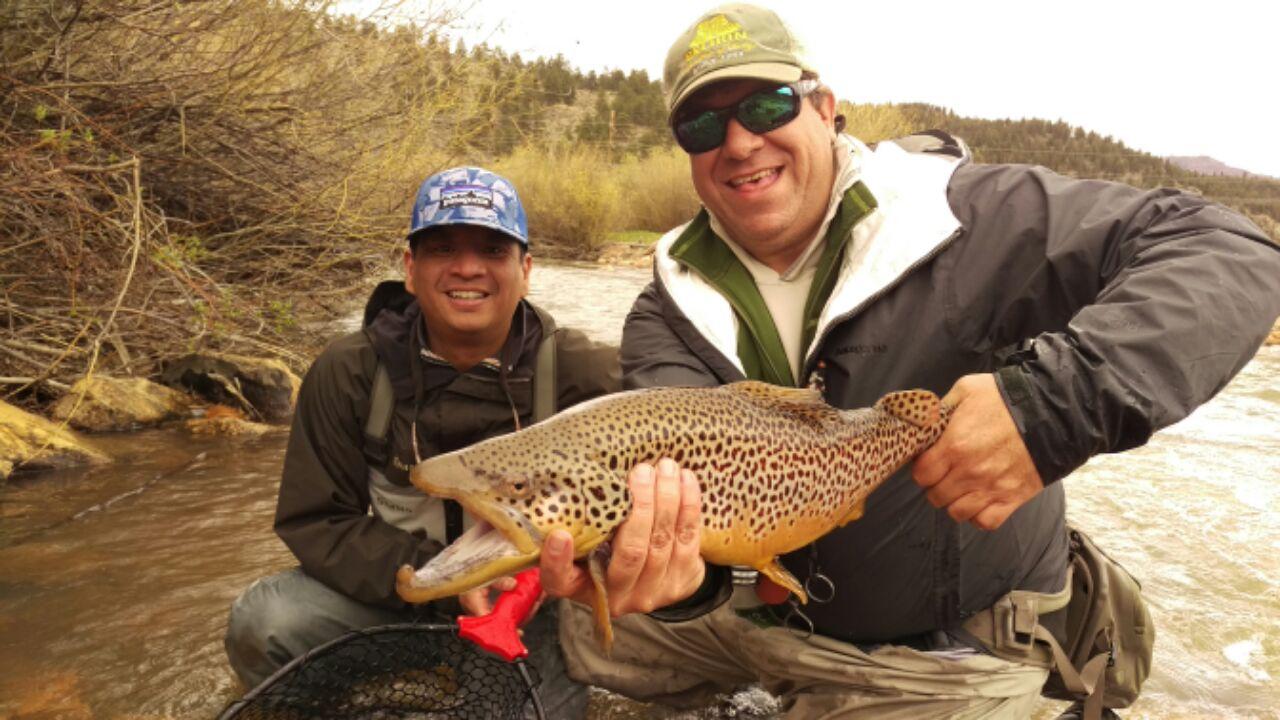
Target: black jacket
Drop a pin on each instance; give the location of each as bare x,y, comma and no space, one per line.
323,513
1107,313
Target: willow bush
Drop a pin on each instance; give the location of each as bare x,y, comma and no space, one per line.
569,193
576,196
658,190
208,174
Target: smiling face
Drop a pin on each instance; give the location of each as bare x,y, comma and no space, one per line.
468,281
770,191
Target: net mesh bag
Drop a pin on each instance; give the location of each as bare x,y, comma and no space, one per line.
415,672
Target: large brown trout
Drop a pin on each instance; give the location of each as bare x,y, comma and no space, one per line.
778,468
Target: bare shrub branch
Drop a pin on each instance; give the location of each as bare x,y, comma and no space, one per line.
210,174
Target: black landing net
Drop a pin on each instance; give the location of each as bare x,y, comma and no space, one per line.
394,672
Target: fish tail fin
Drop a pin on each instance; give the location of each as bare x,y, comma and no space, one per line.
918,407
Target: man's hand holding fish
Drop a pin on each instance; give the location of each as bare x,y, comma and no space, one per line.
655,552
979,470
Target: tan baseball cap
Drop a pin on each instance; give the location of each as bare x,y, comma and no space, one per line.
732,41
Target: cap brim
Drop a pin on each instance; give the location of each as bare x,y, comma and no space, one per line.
772,72
469,221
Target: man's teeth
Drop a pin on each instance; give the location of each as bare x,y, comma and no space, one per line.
466,294
754,177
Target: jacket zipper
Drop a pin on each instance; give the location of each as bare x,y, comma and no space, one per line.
809,363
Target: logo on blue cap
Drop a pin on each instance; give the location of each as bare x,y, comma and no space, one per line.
469,196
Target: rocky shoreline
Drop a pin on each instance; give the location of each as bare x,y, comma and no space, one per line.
206,393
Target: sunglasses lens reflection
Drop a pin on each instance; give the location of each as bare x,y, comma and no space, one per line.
758,112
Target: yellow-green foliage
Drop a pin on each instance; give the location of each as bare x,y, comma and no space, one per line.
873,123
657,189
569,194
575,198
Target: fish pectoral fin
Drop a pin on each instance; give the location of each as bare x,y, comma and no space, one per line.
773,570
598,564
859,508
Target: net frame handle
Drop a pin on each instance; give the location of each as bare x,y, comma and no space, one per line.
499,631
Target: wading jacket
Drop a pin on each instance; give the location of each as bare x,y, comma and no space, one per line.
352,526
1106,313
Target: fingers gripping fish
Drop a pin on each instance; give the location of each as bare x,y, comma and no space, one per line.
778,469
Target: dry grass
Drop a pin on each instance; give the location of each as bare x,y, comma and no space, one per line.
570,194
658,190
576,198
219,175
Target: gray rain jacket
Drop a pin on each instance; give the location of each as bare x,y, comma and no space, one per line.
1106,313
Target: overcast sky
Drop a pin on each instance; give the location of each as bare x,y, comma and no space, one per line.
1167,77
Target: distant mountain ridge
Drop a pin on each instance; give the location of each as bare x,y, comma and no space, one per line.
1206,165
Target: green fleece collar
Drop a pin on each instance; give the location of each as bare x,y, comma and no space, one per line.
760,348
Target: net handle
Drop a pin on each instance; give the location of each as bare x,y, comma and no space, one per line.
499,631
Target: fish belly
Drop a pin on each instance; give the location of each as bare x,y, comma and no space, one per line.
738,545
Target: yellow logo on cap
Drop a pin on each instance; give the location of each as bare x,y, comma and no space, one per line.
716,36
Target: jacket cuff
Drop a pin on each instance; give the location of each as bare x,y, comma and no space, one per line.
1045,444
716,587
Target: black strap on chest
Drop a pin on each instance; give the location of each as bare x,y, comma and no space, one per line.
382,403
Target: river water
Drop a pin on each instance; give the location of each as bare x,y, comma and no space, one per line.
115,581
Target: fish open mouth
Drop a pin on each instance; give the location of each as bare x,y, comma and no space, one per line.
499,543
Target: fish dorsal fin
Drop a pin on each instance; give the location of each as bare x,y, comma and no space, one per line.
803,405
766,393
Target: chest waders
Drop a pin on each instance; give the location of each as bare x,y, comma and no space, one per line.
382,403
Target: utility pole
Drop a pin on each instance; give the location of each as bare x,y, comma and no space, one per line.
613,114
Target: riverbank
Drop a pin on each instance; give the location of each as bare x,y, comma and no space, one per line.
210,394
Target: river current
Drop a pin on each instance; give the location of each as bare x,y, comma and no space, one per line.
115,581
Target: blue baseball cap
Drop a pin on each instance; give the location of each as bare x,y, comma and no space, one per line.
469,196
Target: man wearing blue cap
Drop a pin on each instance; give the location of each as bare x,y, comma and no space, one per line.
452,356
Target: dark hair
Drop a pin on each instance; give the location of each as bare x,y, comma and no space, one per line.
815,98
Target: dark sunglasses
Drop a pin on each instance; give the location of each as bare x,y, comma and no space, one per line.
703,130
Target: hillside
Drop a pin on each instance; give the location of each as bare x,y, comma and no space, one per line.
1205,165
1072,151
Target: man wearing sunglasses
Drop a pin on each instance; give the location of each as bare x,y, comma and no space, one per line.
1061,319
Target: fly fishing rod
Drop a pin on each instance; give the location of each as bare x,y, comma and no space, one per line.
474,668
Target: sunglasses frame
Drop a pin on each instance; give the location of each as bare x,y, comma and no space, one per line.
799,90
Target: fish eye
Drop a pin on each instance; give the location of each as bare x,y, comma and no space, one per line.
517,485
